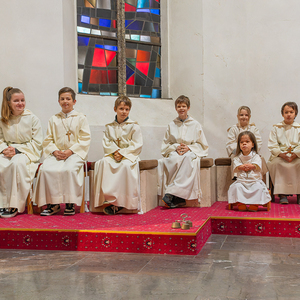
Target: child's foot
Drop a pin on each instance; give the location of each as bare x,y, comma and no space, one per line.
242,207
167,199
283,199
51,210
253,208
9,213
70,209
112,210
177,202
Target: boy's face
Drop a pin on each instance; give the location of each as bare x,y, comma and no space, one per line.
182,110
122,112
66,102
289,115
243,117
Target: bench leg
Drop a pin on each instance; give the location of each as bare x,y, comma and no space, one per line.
82,207
29,204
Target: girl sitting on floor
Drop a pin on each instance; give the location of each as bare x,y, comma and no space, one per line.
248,189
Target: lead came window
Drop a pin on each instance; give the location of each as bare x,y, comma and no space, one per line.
98,50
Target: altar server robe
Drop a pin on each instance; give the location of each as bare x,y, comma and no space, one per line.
179,175
233,133
61,181
115,182
23,132
249,187
285,176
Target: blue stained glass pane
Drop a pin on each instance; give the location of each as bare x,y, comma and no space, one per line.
99,46
143,3
156,93
135,37
85,19
157,72
79,87
145,96
83,41
129,72
112,48
104,94
114,94
127,22
156,27
155,11
143,10
136,25
104,22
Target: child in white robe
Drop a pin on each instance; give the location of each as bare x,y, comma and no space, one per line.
61,176
284,162
243,116
183,146
248,189
116,175
20,146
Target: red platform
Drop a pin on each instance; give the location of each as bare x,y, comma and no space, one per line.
147,233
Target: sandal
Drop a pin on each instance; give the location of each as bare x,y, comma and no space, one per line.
112,210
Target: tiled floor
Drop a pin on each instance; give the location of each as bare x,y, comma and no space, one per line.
228,267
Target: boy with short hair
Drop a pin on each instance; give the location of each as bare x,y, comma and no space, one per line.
61,176
183,146
116,178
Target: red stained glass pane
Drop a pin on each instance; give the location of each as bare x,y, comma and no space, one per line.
110,55
114,23
99,58
98,77
143,55
129,7
130,80
143,67
112,76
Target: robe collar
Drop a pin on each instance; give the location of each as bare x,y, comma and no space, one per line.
72,113
116,119
128,121
179,121
26,112
283,125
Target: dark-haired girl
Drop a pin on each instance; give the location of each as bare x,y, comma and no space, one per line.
248,190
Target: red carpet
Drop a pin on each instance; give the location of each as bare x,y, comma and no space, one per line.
147,233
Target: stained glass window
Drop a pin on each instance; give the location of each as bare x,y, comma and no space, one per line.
98,51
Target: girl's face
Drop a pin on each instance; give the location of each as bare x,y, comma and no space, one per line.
17,103
246,144
289,115
243,117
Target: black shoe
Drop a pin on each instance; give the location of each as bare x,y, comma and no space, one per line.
298,199
51,210
112,210
283,199
2,210
177,202
167,199
9,213
70,209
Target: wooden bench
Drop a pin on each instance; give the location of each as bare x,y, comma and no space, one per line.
148,186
